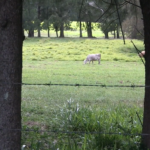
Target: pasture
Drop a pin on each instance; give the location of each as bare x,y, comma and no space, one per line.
103,107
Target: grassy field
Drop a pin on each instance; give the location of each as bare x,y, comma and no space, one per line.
76,49
81,108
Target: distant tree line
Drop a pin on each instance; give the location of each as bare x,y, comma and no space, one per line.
109,16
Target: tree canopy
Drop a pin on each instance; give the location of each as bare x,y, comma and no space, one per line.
56,14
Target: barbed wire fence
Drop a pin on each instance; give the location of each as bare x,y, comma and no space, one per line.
85,85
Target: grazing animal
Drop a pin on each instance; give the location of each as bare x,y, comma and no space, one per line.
92,57
142,54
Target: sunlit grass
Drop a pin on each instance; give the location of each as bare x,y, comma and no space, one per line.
77,49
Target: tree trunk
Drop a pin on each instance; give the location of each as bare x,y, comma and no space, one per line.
118,32
56,30
48,32
114,34
145,5
39,14
39,33
80,29
57,34
80,18
31,33
89,29
106,35
10,74
62,30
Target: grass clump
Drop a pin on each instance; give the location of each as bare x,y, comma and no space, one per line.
79,128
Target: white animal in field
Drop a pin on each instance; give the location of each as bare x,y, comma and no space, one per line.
93,57
142,54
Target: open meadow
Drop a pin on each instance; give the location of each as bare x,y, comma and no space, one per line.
66,96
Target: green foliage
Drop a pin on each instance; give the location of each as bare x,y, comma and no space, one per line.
52,13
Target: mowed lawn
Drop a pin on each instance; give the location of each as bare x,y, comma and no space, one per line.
60,61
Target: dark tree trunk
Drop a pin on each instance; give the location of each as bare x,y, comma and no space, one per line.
11,37
106,35
31,33
62,30
89,29
118,32
39,14
80,29
56,33
48,32
145,6
56,30
39,33
80,18
114,34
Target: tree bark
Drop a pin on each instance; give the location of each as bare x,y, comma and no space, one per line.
80,29
56,30
62,30
114,34
39,14
48,32
31,33
80,10
39,33
145,6
89,29
106,35
56,33
10,74
118,32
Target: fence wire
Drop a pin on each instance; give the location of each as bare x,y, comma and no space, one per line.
75,132
78,85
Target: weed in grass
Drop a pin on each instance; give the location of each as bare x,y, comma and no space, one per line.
79,127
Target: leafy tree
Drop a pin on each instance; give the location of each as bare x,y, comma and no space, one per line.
79,10
29,16
38,18
55,23
86,13
91,13
46,25
33,15
46,16
10,74
114,14
133,25
43,15
61,10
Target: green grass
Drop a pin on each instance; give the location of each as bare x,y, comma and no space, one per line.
76,49
84,108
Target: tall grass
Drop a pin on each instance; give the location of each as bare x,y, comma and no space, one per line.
78,127
84,117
